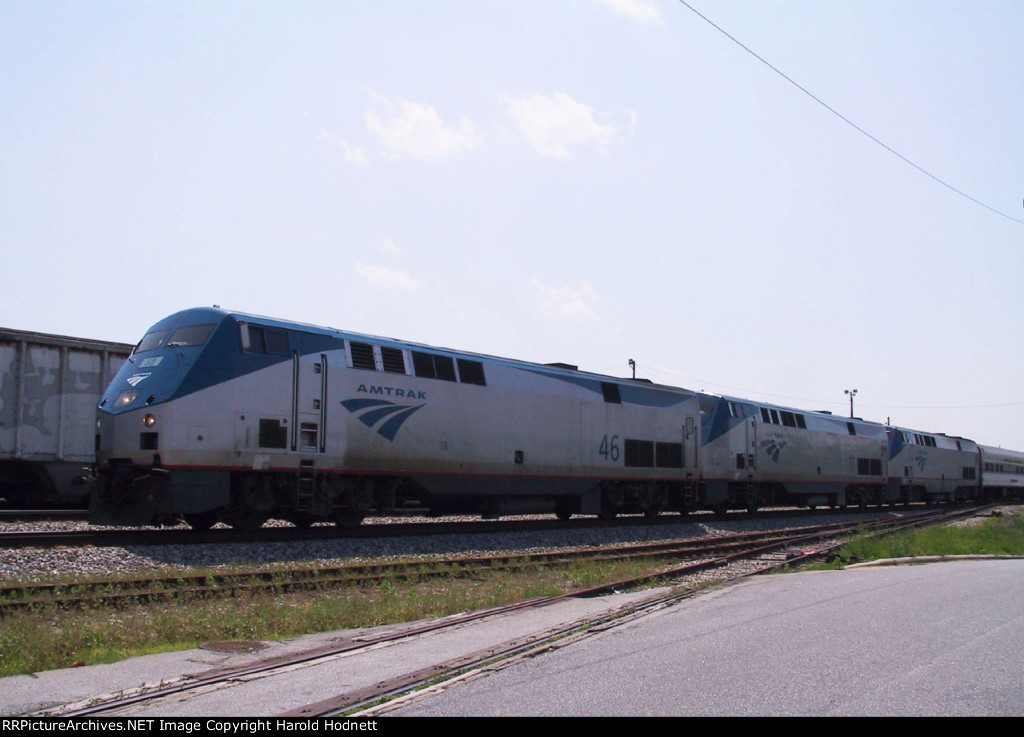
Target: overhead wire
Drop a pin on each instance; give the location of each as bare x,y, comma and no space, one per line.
895,153
842,117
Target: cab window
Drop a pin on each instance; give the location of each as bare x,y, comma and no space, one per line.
258,339
190,336
151,341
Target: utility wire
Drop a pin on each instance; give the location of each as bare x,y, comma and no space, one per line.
840,115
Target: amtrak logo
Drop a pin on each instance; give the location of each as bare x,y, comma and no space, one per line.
773,447
388,417
137,379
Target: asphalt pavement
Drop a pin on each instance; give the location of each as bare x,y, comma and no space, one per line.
941,639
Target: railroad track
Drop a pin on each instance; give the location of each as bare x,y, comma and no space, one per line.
186,536
751,557
120,592
38,515
12,539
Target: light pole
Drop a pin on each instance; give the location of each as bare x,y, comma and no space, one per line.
632,365
852,393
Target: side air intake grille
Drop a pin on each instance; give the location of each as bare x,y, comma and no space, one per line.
273,434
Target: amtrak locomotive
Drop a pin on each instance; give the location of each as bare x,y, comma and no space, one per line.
224,416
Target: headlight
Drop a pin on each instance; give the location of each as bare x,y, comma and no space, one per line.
126,398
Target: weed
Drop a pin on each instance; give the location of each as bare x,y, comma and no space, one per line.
45,637
996,536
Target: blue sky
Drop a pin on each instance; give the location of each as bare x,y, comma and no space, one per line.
583,181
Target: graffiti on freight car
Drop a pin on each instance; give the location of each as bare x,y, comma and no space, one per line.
39,387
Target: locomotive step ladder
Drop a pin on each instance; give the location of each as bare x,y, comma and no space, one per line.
305,488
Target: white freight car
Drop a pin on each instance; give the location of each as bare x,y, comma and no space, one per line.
49,388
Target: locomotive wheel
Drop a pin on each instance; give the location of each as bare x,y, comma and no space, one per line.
201,520
243,517
348,518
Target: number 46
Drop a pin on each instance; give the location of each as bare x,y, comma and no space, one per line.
609,449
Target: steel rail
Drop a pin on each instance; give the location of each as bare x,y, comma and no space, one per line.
117,592
123,591
347,703
187,536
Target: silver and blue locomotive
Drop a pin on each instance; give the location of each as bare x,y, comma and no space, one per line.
227,416
233,417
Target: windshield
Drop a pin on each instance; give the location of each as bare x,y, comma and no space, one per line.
151,340
193,335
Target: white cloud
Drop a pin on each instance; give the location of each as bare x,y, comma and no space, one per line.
563,302
354,154
389,246
351,154
641,10
389,279
417,130
552,124
631,114
461,310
